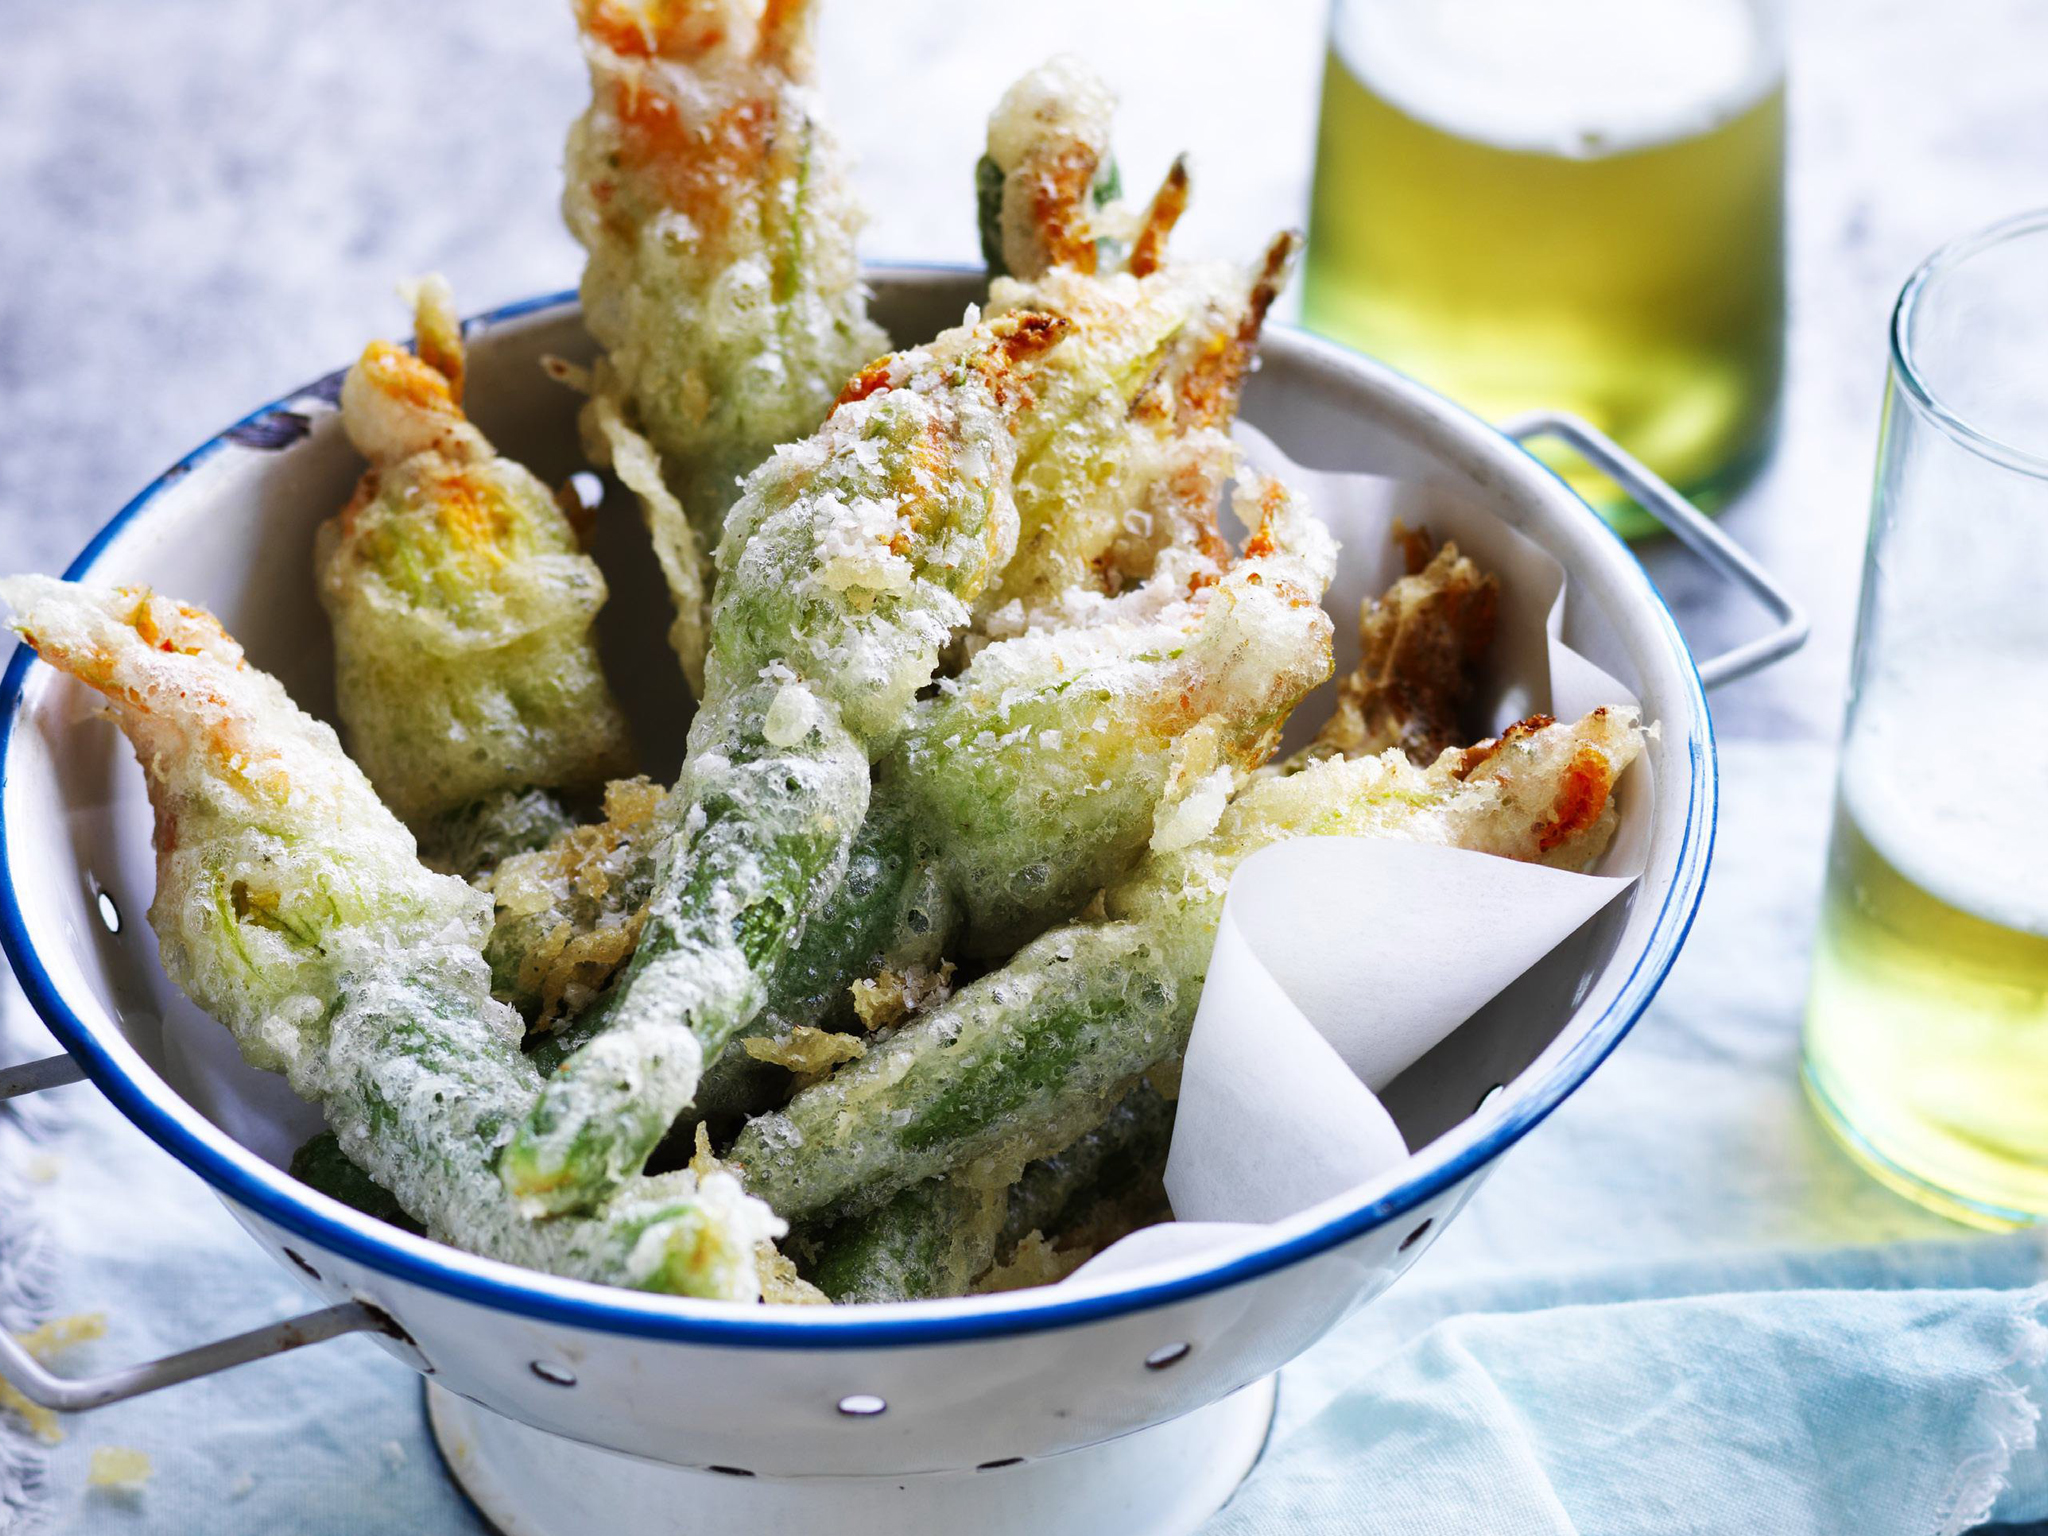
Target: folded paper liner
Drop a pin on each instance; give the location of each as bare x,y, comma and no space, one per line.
1339,962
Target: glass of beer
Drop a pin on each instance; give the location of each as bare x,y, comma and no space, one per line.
1577,205
1927,1023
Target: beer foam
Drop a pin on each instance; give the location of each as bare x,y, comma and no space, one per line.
1580,78
1944,792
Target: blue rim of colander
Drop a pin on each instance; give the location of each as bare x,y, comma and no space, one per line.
276,1198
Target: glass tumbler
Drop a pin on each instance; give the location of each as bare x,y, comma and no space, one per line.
1927,1023
1572,206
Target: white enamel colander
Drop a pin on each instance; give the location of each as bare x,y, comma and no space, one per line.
563,1407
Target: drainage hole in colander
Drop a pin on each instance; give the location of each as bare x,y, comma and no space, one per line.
1418,1234
1003,1461
731,1471
302,1264
554,1375
1165,1355
110,915
862,1405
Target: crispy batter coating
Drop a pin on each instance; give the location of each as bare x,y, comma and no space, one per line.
932,1240
461,599
290,905
1035,1261
713,204
1422,645
685,559
121,1468
808,1052
1047,172
1042,773
781,1285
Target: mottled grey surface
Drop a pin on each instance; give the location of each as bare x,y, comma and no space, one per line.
208,203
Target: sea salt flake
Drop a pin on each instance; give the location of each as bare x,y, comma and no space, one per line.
792,715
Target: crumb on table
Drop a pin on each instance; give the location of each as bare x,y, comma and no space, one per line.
119,1469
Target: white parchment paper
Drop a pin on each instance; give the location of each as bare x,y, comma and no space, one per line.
1341,961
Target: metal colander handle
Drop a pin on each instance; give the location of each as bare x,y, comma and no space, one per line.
1692,528
75,1394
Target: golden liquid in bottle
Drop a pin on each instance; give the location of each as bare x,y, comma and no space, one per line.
1630,271
1927,1030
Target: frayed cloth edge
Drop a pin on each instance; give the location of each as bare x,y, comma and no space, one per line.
26,1273
2006,1416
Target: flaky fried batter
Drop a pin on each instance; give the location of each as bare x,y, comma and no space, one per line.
891,996
806,1052
1423,643
1048,172
44,1342
568,914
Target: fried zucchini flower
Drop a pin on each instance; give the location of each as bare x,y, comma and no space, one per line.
466,669
1101,491
290,905
712,201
